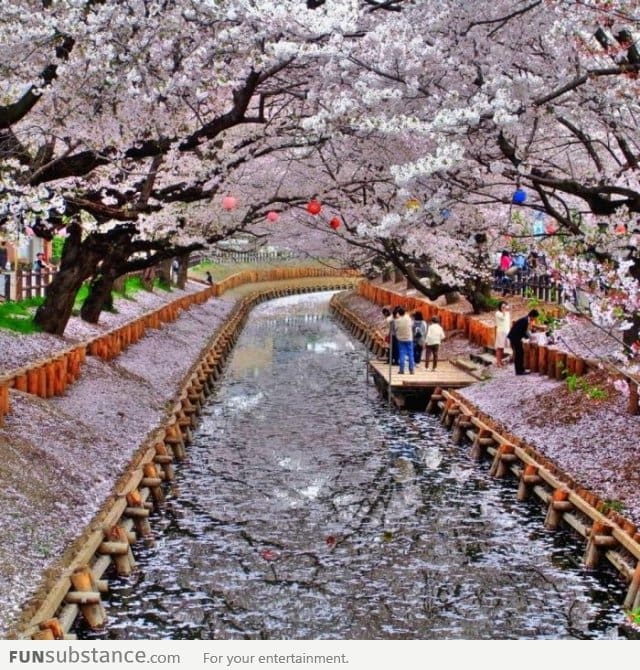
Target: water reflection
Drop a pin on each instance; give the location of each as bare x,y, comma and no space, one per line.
308,510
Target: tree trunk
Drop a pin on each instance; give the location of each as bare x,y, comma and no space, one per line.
77,264
163,271
99,298
632,334
478,293
182,271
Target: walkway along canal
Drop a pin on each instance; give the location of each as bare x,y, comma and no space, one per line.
307,509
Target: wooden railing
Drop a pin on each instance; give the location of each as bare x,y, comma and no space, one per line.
220,256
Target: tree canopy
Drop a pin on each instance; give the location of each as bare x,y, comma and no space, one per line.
126,122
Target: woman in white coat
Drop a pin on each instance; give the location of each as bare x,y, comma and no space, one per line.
503,326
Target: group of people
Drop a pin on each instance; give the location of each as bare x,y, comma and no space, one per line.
515,333
510,266
410,335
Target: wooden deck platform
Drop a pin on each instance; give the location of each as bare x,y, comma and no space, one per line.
415,389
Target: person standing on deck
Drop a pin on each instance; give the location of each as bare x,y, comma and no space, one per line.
521,329
419,334
404,335
435,336
503,326
389,336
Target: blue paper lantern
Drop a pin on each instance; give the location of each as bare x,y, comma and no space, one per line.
445,213
519,196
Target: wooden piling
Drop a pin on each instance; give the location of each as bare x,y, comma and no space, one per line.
529,478
558,504
632,599
87,596
504,456
138,512
153,482
600,538
116,545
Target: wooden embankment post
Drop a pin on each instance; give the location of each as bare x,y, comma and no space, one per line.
632,600
139,512
51,629
4,397
153,482
460,426
116,545
481,441
529,478
174,440
600,538
87,597
559,503
504,456
165,460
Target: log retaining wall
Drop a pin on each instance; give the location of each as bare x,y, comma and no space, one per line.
608,534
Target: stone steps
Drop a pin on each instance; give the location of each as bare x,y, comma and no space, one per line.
474,369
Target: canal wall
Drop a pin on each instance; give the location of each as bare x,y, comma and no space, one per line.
77,581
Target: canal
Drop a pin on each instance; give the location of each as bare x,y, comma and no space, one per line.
310,510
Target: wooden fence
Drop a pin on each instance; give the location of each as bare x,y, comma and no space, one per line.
219,256
31,284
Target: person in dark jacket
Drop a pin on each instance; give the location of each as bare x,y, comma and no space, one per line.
521,329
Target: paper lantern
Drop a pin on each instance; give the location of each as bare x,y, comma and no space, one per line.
229,202
537,226
620,229
272,216
551,228
519,197
445,213
335,223
412,204
314,207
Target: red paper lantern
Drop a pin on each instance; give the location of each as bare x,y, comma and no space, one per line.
335,223
551,228
621,229
272,216
314,207
229,202
268,555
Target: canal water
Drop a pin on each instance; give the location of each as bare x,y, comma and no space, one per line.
310,510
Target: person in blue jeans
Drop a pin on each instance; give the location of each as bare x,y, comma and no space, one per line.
404,335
